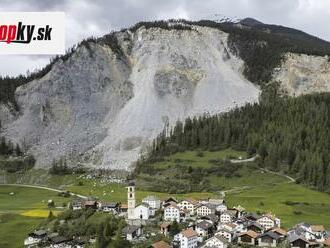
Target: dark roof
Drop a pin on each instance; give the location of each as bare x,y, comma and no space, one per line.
59,239
111,205
204,225
212,217
270,234
294,237
38,233
221,238
131,183
208,205
130,229
252,216
171,199
256,224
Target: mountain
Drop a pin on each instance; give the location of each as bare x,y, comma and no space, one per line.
102,103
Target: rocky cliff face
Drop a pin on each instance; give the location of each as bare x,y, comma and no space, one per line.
304,74
102,108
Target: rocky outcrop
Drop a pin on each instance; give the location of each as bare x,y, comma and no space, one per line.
303,74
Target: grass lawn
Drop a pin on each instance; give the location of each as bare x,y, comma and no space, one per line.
291,202
21,212
199,159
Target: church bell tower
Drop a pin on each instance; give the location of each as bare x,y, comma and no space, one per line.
131,201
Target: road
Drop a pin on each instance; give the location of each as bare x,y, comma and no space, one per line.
237,161
43,187
279,174
246,187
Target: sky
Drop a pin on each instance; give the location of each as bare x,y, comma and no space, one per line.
85,18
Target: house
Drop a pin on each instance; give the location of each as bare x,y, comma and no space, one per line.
204,229
269,221
227,217
269,239
227,230
251,217
90,204
132,232
216,241
298,242
215,201
319,232
152,201
123,208
142,212
326,242
211,217
240,211
255,226
169,201
160,244
281,232
187,238
184,214
302,230
164,228
221,208
172,213
112,207
77,205
60,241
226,233
204,209
35,238
248,237
188,204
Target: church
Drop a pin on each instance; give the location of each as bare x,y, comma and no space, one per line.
140,212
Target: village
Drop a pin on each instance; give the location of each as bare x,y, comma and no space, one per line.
206,223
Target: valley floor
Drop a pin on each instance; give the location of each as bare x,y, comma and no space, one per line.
254,189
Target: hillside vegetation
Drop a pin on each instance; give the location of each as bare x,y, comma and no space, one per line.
290,135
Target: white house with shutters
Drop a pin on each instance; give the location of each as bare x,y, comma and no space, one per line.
205,209
269,221
188,204
187,238
172,212
216,241
152,201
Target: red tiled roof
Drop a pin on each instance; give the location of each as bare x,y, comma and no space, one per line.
317,228
250,233
161,244
189,233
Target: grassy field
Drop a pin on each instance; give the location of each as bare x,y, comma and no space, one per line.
198,159
22,211
173,169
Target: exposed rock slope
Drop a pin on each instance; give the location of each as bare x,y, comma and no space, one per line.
304,74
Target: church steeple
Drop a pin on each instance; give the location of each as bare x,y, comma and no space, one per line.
131,201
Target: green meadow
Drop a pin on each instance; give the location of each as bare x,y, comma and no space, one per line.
21,210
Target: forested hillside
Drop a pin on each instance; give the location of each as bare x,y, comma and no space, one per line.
290,135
